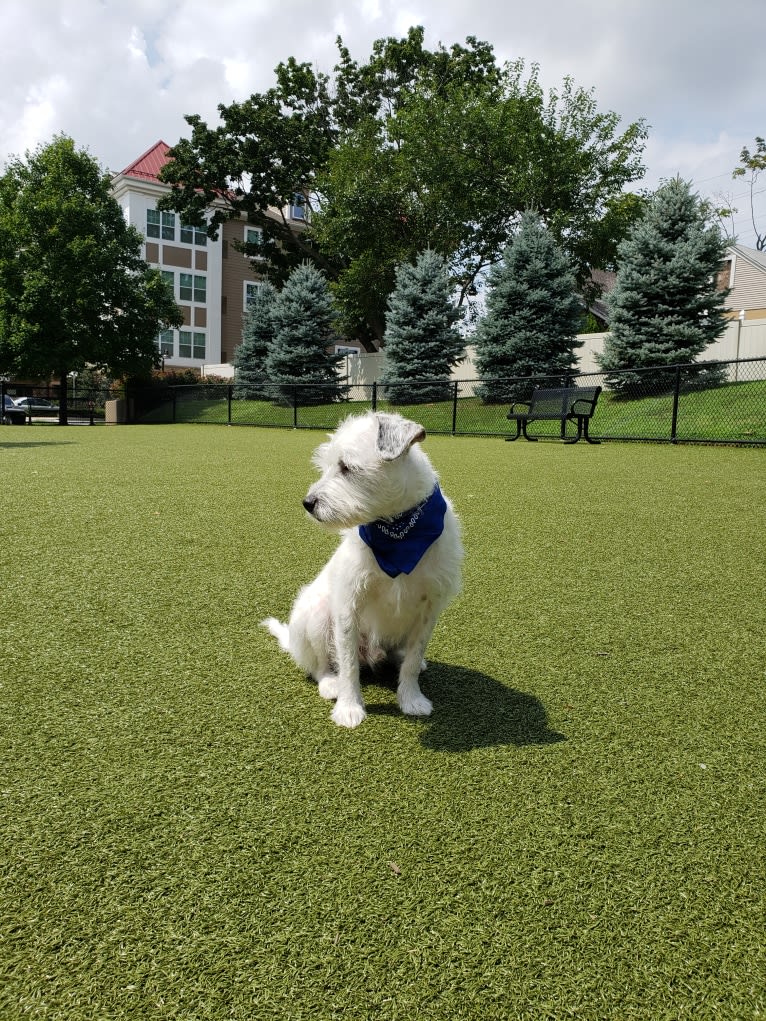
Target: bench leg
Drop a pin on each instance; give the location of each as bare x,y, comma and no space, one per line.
587,437
510,439
579,430
532,439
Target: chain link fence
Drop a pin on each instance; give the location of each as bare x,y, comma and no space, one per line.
708,402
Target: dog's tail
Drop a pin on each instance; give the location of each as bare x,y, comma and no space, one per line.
280,631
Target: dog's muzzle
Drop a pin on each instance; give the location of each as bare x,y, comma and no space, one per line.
310,503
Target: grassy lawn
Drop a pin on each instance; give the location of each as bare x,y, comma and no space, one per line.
736,412
577,832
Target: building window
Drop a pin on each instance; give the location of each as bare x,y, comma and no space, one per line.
152,223
251,289
192,288
160,225
253,236
191,344
165,343
193,235
170,278
298,207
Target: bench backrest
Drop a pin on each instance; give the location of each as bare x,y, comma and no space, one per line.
561,400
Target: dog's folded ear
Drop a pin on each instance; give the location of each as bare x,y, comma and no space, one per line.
396,435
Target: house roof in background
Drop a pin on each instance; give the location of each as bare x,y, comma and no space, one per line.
149,164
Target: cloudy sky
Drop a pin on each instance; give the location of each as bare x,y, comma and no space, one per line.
117,75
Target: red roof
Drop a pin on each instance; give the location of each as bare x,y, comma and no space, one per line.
148,166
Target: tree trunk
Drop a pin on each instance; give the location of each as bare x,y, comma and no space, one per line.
63,419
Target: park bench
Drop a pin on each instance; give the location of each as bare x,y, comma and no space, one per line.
566,403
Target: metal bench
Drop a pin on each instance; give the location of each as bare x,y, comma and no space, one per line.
571,403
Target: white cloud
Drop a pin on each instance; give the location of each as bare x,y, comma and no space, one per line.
118,76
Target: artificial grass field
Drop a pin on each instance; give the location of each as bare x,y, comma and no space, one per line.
577,832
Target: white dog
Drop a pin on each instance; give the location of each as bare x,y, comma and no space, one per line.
395,570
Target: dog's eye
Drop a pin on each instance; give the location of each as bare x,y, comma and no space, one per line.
343,468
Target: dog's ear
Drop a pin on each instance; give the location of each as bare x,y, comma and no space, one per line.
396,435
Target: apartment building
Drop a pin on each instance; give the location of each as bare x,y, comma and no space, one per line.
211,280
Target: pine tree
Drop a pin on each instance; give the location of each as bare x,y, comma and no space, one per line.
665,308
302,316
421,342
532,319
257,334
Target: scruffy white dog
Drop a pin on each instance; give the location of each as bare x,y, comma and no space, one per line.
397,567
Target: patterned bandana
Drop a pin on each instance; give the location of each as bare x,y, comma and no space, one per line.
399,544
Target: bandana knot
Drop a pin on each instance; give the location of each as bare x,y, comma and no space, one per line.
399,544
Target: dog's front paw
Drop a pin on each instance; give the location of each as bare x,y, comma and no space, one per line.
348,714
414,704
328,686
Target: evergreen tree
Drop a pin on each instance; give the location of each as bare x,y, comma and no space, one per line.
302,318
421,342
665,308
533,316
257,334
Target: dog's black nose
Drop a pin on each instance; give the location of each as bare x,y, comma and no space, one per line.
309,504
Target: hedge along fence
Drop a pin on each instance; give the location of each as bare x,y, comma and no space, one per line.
710,402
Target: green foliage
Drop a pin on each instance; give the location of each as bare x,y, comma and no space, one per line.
258,334
74,289
421,342
533,316
412,149
665,309
302,318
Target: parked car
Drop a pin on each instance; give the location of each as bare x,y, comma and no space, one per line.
36,404
12,414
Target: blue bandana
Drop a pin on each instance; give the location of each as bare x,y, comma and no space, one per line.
399,544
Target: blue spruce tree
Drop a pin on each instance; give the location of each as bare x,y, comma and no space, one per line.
299,365
532,319
250,372
421,342
665,308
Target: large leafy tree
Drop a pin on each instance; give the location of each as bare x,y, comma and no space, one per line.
422,343
302,318
533,315
414,149
665,307
74,290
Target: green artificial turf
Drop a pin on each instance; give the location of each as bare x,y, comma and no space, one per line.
577,832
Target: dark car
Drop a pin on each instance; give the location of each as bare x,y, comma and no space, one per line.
36,405
12,414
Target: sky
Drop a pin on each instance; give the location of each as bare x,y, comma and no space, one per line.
119,75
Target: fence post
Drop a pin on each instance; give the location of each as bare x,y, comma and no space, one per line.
295,406
676,392
228,412
374,395
454,407
174,391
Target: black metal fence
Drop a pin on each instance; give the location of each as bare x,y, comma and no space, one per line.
708,402
43,404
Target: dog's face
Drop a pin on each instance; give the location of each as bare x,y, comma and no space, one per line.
370,470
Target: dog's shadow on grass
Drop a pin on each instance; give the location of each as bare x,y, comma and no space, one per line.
474,710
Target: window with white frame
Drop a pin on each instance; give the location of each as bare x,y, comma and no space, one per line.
298,207
191,344
160,225
165,343
251,290
193,235
170,278
253,236
192,287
